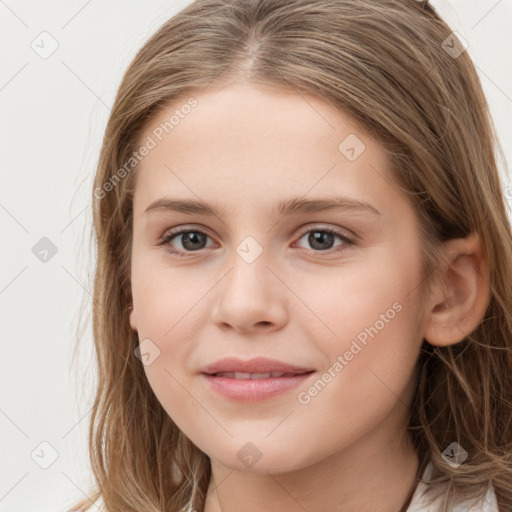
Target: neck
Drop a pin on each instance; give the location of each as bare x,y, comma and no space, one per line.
375,473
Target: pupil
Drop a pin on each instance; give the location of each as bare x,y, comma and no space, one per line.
192,237
318,237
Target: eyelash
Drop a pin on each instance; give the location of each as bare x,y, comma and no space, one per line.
347,242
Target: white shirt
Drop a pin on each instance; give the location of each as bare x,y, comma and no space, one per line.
419,502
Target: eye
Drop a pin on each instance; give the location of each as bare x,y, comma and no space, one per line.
191,240
322,239
194,240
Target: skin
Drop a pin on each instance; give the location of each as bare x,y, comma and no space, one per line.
243,148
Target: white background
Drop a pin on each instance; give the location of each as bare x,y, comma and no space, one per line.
53,113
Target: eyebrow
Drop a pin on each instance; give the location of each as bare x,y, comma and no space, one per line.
283,208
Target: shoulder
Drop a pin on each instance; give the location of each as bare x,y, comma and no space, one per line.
429,499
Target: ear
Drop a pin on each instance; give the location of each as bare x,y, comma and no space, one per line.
459,301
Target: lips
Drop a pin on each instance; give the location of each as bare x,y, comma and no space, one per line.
253,380
256,368
253,376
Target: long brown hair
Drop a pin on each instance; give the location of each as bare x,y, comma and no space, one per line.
397,70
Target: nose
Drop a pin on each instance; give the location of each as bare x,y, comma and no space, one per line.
251,298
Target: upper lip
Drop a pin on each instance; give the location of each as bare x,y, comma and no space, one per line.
256,365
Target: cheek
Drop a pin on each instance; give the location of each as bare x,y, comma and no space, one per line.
370,334
166,316
166,321
369,370
372,299
164,297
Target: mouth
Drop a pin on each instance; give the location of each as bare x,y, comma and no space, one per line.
259,367
253,387
256,376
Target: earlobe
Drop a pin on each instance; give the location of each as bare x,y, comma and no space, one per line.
459,301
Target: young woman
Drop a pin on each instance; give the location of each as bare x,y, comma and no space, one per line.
302,291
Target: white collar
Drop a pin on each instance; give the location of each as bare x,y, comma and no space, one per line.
422,494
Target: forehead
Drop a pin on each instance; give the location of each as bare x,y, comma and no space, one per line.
277,115
254,143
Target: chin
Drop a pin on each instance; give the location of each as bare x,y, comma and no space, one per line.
252,458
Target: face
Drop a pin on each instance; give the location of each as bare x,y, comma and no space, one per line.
334,291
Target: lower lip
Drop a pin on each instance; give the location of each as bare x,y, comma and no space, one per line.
249,390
